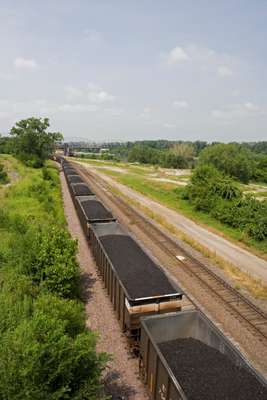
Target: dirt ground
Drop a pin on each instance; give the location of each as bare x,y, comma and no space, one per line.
121,378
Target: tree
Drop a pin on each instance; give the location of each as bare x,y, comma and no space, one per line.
232,159
184,150
32,142
5,144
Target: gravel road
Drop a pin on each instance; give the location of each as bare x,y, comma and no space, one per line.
121,378
232,253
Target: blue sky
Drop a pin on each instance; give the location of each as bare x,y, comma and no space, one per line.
129,70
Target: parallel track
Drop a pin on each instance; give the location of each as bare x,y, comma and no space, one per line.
238,305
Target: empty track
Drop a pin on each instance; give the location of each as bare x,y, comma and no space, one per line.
240,308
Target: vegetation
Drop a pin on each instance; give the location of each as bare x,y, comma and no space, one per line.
215,193
236,161
143,180
243,161
46,350
3,175
30,141
172,158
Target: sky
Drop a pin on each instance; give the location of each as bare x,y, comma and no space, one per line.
136,69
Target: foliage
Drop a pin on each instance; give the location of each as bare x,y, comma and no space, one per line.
231,159
3,175
39,359
32,142
257,147
50,260
212,192
46,351
5,145
166,159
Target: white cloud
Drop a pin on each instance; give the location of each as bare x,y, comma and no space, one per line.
24,63
92,93
169,126
252,107
180,104
72,108
97,95
73,93
100,96
239,111
224,71
177,55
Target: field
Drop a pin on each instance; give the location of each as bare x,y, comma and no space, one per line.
166,186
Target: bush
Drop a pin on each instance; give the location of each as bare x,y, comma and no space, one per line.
40,360
3,175
49,257
212,192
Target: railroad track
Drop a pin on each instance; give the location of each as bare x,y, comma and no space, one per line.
237,304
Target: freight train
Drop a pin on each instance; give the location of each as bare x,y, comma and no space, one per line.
182,354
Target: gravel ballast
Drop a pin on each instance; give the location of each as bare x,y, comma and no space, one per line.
206,374
95,211
139,274
121,374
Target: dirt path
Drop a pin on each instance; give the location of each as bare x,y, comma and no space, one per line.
121,379
237,256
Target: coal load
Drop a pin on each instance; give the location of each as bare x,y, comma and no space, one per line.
95,211
141,277
74,179
81,189
204,373
70,171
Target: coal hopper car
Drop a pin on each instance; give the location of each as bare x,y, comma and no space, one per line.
184,356
136,285
91,210
80,189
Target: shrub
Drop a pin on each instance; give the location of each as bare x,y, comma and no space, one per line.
40,360
214,193
50,260
3,175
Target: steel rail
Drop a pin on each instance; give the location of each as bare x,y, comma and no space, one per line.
243,308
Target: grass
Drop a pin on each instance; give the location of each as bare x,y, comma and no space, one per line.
29,195
169,195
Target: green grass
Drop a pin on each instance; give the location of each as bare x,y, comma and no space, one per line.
261,194
169,194
29,196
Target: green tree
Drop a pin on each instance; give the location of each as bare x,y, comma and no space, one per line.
5,144
32,141
232,159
